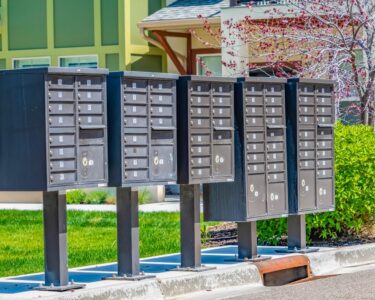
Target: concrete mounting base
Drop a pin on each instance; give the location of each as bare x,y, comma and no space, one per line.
296,250
64,288
193,269
130,277
257,258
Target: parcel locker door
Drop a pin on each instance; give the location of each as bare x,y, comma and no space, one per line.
222,160
306,187
276,198
256,193
325,193
91,163
163,167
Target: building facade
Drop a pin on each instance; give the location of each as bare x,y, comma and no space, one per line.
86,33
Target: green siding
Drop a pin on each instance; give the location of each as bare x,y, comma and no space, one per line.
109,22
1,43
27,24
150,63
2,64
112,61
139,12
74,23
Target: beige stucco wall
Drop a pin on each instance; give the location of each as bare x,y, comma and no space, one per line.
16,197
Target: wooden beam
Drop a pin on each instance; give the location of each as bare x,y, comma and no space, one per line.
173,34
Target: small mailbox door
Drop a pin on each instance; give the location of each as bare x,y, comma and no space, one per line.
307,190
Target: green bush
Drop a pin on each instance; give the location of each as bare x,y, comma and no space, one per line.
82,197
144,196
97,197
76,197
355,191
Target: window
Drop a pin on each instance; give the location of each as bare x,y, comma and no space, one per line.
209,63
32,62
86,61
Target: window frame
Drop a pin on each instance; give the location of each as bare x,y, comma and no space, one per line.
14,59
200,55
75,56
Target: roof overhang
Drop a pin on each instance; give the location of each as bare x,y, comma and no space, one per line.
177,24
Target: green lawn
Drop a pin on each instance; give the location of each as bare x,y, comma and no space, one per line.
91,238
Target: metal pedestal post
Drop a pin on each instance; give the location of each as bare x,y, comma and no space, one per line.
247,242
55,244
128,265
190,229
297,235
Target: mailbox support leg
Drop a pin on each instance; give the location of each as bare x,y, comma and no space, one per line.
128,265
247,242
190,229
297,235
55,244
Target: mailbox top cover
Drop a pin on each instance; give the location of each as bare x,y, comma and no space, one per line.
61,70
317,81
208,79
144,75
262,79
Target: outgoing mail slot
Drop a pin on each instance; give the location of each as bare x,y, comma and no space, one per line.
325,154
91,164
161,111
255,157
306,89
255,147
135,98
61,108
200,139
90,108
199,87
325,144
307,164
200,111
255,121
61,81
324,110
306,120
270,101
91,136
324,193
324,173
61,121
200,150
324,164
272,111
63,178
163,163
252,88
161,99
306,100
254,100
135,122
307,134
162,122
136,175
163,137
321,100
221,88
325,133
135,85
276,177
200,172
136,163
307,189
276,156
199,101
222,136
136,151
62,139
306,145
200,122
256,168
227,122
161,85
62,165
326,120
61,95
275,121
221,101
254,110
136,139
135,110
307,154
89,82
90,96
275,134
221,112
257,195
91,120
275,147
222,160
276,197
255,136
276,167
306,110
201,161
62,152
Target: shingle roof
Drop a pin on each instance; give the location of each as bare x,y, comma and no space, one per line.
189,9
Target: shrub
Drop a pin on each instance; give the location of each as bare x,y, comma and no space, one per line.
97,197
355,191
144,195
82,197
76,197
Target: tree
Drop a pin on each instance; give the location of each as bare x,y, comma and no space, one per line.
309,38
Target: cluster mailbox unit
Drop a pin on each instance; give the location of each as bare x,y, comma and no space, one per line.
205,139
142,150
260,187
53,136
310,121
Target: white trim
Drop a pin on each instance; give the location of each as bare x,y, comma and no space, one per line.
73,56
28,58
205,55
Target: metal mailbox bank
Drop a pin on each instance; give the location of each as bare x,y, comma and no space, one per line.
260,187
142,150
53,138
205,150
310,120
